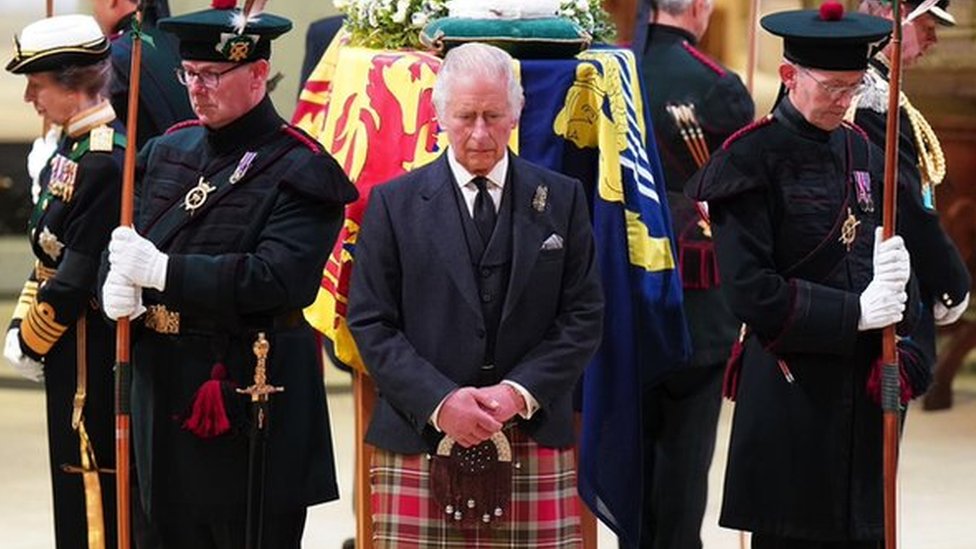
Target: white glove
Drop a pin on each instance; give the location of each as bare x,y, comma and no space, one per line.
40,153
121,298
137,259
892,262
947,315
882,304
26,366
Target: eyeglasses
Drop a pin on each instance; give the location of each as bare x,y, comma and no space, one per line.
209,79
836,92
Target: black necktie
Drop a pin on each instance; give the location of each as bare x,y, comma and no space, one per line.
484,209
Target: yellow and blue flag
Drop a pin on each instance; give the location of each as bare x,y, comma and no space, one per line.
601,134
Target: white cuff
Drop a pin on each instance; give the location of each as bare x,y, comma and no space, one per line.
531,404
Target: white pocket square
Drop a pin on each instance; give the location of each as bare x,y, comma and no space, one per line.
554,242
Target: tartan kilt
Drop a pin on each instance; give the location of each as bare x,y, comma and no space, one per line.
543,512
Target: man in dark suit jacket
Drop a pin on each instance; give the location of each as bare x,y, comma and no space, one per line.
475,303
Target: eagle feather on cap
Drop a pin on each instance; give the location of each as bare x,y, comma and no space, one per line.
250,14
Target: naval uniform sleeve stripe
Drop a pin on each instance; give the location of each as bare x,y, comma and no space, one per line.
43,315
42,332
37,341
28,295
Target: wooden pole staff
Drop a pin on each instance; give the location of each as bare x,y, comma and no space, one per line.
890,382
751,62
123,369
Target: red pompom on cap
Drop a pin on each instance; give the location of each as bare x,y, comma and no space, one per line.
224,4
831,11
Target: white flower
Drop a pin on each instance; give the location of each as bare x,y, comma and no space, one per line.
419,19
401,12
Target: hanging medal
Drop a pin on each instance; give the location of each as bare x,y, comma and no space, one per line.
63,174
862,184
245,164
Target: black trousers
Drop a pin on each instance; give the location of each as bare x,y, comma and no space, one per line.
680,423
765,541
280,532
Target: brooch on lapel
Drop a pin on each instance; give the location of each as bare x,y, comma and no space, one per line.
540,198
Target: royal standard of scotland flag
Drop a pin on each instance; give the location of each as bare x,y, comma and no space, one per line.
583,117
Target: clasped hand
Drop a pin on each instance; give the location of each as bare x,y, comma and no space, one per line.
471,415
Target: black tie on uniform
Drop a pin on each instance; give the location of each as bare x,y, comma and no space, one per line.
484,209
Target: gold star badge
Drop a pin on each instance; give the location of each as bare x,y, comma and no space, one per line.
50,244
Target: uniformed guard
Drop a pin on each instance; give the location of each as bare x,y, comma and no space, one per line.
57,332
943,277
163,101
236,213
795,201
696,104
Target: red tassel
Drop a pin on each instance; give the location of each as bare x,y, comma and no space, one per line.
209,417
733,367
224,4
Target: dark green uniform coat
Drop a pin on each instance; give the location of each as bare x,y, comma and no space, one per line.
247,260
805,456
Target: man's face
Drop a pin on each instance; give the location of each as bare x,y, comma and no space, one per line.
221,100
924,27
102,12
50,99
821,96
478,122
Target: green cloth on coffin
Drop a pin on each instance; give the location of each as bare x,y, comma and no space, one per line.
549,37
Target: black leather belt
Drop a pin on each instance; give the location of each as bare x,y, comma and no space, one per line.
163,321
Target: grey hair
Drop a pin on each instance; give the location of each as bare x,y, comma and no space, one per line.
92,80
477,60
873,7
674,7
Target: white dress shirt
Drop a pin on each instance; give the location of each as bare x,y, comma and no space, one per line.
495,186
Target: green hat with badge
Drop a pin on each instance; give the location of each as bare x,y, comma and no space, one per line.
225,33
